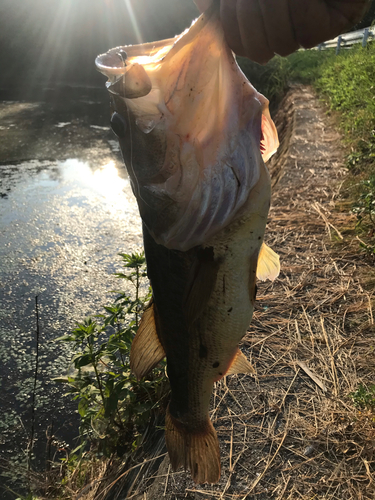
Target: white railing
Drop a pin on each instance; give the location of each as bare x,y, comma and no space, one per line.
348,39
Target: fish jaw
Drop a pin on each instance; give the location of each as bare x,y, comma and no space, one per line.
193,133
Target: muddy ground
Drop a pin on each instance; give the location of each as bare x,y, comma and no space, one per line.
291,432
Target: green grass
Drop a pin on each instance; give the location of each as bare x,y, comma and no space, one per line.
346,81
306,66
364,397
347,84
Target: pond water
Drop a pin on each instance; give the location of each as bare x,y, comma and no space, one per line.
62,224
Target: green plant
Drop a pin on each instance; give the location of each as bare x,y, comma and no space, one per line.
306,66
364,397
30,496
364,206
364,152
114,407
271,79
347,83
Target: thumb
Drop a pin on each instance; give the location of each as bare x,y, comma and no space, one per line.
203,4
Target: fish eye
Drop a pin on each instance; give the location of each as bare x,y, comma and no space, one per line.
118,124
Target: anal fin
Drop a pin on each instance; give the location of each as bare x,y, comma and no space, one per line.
268,264
146,349
240,364
197,451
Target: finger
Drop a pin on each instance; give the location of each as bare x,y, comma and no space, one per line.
351,11
252,31
278,26
228,16
315,21
311,21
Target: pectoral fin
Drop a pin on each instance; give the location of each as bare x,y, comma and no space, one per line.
146,350
240,364
270,141
268,264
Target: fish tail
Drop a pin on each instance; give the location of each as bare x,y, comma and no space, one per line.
196,451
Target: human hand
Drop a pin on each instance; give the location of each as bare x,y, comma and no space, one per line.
259,29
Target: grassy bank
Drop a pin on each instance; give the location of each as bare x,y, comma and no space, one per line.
346,82
347,85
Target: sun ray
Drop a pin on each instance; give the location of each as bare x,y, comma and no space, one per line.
134,22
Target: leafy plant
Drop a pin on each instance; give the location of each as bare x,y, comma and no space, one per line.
270,79
306,66
114,407
347,82
364,397
364,152
364,206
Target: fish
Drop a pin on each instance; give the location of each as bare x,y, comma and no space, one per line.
194,135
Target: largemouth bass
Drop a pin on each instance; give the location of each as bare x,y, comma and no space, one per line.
194,135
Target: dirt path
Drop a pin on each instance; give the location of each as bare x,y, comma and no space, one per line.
293,433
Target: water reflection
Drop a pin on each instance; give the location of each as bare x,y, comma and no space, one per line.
62,224
79,177
104,180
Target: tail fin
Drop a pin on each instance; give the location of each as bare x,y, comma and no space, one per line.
195,451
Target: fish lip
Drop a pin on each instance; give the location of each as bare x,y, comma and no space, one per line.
110,63
126,76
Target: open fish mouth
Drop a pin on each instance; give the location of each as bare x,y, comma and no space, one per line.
124,67
187,100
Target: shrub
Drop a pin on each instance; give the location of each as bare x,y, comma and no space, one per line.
114,407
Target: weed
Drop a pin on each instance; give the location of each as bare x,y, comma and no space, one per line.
306,66
364,397
347,82
114,407
30,496
364,206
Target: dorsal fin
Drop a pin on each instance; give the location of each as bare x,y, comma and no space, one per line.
268,264
146,350
240,364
